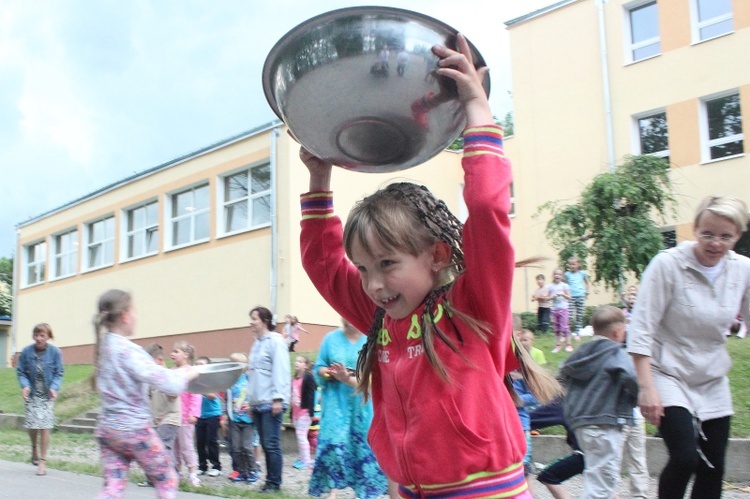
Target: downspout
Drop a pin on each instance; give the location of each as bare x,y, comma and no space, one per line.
274,225
605,86
14,314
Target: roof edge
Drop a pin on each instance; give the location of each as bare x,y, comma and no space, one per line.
539,12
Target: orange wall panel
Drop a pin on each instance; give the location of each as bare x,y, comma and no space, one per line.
684,141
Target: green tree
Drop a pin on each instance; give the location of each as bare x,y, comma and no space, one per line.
615,224
6,286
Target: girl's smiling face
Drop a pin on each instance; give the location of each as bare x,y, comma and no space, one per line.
394,280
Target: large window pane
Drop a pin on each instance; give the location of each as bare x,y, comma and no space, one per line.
654,136
143,230
246,199
714,18
235,186
725,136
644,31
710,9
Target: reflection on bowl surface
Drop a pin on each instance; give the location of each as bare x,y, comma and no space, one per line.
216,377
358,87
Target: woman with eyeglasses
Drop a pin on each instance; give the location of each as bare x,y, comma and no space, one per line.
688,297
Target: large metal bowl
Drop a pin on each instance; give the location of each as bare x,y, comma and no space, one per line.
216,377
330,81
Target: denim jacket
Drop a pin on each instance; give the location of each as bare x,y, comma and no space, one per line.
51,364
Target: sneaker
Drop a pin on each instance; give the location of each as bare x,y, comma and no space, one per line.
233,475
569,348
270,489
194,481
145,484
253,477
239,478
201,472
556,349
299,465
213,472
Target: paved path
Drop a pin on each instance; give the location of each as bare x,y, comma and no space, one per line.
18,481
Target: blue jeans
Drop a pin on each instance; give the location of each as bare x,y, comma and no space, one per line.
269,429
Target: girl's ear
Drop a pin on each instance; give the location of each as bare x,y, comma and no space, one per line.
441,255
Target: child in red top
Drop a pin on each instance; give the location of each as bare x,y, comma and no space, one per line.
435,299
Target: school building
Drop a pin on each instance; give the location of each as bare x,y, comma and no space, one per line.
203,238
198,241
595,81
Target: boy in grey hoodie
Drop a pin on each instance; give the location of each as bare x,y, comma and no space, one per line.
601,392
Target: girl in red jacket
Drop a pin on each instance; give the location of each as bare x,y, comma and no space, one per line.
434,296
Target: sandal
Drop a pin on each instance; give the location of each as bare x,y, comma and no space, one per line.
42,471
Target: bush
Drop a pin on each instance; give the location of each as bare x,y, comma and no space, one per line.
528,320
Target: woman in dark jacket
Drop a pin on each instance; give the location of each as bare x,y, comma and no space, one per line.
40,372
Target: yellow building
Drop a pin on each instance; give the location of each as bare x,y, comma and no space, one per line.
203,238
594,81
198,241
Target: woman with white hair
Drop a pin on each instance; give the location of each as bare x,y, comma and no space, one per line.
689,296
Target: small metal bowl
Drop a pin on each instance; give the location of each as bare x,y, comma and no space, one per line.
216,377
358,87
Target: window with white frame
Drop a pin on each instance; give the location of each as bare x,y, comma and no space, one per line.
36,258
189,212
643,28
653,134
246,199
65,254
711,18
722,126
142,230
100,243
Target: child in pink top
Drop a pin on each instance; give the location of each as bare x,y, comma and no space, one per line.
184,448
303,407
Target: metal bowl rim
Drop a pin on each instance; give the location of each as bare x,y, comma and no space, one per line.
272,56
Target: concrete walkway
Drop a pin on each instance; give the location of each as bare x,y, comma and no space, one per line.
19,481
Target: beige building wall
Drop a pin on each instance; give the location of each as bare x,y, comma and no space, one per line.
560,140
204,290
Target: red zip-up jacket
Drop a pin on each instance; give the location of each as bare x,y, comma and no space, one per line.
427,431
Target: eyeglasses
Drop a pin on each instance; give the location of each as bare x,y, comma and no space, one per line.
724,238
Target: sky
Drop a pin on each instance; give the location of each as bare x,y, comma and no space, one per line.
92,91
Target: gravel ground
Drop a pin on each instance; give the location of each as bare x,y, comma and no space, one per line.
295,481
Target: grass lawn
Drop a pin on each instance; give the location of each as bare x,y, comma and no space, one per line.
76,395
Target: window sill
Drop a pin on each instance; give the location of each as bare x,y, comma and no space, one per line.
243,231
698,42
139,257
719,160
27,286
641,60
60,278
187,245
100,267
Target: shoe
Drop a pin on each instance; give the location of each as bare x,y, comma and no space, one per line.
239,478
253,477
569,348
145,484
270,489
233,475
299,465
213,472
529,469
535,433
556,349
201,472
194,481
